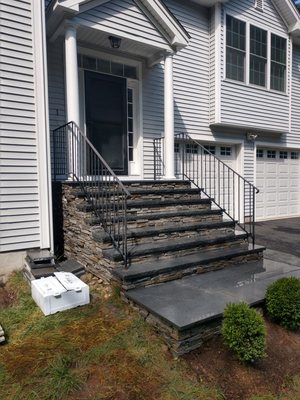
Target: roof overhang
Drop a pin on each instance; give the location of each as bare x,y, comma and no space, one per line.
161,17
208,3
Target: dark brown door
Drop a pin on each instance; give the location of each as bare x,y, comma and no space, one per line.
106,118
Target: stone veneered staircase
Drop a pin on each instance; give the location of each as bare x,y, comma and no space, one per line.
172,232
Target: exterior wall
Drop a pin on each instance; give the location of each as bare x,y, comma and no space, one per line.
191,83
294,137
56,84
195,82
247,105
19,181
123,17
212,65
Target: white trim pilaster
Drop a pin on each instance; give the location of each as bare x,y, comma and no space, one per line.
42,126
169,117
71,69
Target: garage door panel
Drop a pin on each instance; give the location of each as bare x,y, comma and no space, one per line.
283,169
283,210
283,196
283,183
271,184
279,183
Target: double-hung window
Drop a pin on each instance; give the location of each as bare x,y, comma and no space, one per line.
258,56
260,71
278,63
235,49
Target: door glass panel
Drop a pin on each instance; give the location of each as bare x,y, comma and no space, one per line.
106,118
130,123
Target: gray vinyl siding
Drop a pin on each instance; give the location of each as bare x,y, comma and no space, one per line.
249,161
124,17
153,113
294,137
247,105
212,66
191,83
56,84
245,10
19,193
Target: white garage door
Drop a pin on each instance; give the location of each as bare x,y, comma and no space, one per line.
278,179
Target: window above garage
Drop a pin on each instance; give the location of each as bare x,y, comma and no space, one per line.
255,56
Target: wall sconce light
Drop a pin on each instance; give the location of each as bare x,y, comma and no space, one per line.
115,42
252,136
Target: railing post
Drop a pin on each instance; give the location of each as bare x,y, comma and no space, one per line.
154,153
253,217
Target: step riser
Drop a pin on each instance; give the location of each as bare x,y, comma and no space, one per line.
175,221
159,222
157,185
169,208
203,233
186,251
194,270
169,196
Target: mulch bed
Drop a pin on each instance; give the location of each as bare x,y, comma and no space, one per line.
216,365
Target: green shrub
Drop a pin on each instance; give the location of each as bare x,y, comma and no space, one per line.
244,332
283,302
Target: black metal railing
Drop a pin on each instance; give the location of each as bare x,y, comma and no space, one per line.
75,158
227,189
158,154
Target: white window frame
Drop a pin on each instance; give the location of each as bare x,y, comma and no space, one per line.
247,60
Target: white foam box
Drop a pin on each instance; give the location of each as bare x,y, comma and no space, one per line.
59,293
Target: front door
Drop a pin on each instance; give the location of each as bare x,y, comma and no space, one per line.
106,118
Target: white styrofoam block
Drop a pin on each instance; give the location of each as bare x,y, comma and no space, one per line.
51,296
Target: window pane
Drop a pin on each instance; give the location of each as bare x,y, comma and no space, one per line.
278,49
235,33
130,72
258,70
278,77
103,66
117,69
259,153
235,49
235,64
258,41
89,62
271,154
283,154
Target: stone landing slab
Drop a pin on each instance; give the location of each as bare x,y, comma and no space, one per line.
189,307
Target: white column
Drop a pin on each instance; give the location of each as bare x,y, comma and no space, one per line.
169,118
71,66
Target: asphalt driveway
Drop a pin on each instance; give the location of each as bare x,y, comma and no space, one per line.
282,235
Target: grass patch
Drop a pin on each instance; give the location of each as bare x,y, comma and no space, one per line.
100,351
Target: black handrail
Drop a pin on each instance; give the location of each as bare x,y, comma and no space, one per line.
227,189
75,158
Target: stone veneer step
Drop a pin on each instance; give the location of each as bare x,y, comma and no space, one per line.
175,245
188,311
150,231
156,203
162,215
142,271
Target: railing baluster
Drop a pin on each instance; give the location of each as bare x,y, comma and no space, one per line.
216,179
75,156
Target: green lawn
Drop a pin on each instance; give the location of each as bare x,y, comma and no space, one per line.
101,351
